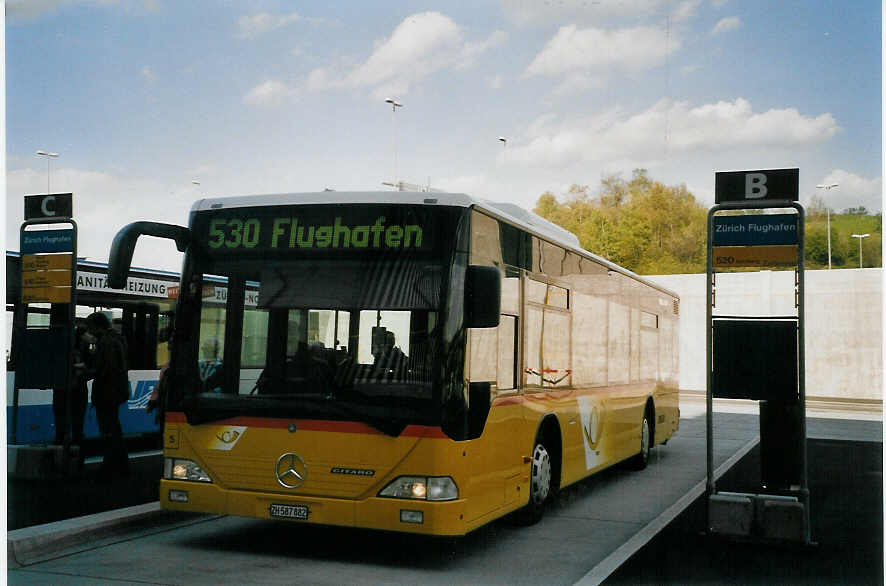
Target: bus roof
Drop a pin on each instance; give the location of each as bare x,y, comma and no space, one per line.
509,212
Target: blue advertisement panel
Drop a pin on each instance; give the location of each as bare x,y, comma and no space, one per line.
755,230
47,241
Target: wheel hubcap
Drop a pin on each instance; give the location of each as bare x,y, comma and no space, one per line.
541,474
644,440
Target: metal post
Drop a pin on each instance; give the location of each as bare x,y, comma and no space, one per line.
711,487
70,342
829,238
69,376
801,350
801,365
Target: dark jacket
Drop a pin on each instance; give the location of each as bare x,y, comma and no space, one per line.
110,387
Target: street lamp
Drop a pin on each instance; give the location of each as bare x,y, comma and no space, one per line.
860,236
828,187
394,105
49,156
504,143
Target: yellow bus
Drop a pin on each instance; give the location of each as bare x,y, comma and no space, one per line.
413,362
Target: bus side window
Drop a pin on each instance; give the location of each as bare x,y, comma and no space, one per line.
507,353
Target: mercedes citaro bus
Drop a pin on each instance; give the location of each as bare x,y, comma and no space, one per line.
402,361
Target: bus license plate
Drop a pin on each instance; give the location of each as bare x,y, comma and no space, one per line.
290,511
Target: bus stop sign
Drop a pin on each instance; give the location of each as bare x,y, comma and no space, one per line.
757,185
53,205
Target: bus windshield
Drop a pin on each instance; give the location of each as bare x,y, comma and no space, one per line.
346,335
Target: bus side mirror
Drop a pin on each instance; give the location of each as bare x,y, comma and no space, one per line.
123,246
482,297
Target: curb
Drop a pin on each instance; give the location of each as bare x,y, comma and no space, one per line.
41,542
614,560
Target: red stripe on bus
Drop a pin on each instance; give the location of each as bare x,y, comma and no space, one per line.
315,425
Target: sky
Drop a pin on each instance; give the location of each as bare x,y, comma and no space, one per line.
153,104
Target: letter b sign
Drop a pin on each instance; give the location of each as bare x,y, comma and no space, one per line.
755,185
782,184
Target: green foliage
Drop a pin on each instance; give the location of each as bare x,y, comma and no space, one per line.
651,228
641,224
844,248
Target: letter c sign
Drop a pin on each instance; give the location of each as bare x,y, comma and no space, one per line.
44,206
54,205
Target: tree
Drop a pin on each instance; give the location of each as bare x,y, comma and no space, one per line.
816,208
640,224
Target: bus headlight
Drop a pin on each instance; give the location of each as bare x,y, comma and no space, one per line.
181,469
425,488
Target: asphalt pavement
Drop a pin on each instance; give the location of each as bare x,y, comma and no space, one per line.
845,459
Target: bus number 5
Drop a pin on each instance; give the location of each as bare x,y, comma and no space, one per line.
216,233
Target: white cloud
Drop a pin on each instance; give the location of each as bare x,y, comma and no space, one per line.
616,136
685,10
269,92
726,24
574,49
23,10
476,185
496,82
528,12
577,83
108,202
421,45
251,27
852,191
471,50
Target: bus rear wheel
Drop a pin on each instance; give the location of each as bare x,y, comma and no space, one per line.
540,482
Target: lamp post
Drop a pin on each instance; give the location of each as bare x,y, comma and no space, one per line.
394,105
860,236
504,142
49,156
828,187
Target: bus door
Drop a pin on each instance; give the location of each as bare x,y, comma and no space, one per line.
493,372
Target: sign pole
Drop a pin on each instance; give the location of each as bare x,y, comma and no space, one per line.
49,275
774,345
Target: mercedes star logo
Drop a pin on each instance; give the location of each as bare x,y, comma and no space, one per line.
291,470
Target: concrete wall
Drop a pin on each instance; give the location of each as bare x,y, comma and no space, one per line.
844,324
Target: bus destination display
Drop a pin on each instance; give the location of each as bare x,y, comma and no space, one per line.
250,230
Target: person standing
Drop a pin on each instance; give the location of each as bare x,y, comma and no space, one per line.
78,392
110,389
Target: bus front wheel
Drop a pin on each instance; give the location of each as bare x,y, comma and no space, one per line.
540,480
641,460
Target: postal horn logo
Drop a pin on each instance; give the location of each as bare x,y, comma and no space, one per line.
594,428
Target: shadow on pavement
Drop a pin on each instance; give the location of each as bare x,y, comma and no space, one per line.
846,487
32,502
